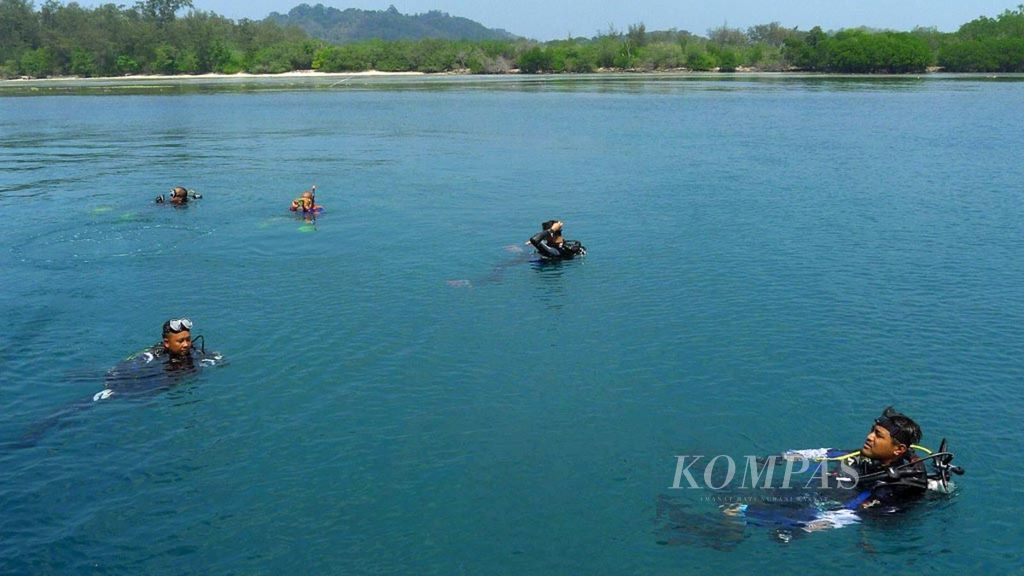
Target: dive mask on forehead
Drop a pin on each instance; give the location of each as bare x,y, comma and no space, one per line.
895,430
179,324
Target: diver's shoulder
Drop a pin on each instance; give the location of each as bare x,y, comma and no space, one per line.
147,355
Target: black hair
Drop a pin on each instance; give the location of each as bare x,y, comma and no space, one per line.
900,427
910,432
546,225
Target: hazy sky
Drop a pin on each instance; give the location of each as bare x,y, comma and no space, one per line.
547,20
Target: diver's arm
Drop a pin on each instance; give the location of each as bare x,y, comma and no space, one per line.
896,494
210,358
882,497
538,242
909,483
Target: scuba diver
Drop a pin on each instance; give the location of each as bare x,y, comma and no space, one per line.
551,246
888,446
886,475
161,365
306,203
147,372
179,196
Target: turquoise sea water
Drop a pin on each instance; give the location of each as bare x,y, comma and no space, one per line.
771,262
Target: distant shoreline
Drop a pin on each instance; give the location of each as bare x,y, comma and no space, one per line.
219,76
341,76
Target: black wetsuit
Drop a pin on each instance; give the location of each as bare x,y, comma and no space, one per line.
879,490
153,369
564,251
146,372
876,491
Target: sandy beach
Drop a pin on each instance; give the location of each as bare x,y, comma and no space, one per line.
216,76
339,77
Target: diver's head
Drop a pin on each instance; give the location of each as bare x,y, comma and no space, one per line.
307,195
178,336
554,230
179,195
890,437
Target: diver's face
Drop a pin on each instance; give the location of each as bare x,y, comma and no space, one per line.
880,445
178,343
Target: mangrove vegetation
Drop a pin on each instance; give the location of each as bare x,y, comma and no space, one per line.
173,37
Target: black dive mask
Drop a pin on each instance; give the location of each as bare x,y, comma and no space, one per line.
897,432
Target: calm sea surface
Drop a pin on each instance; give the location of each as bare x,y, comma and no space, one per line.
772,261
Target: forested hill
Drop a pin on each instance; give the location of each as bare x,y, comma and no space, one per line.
354,25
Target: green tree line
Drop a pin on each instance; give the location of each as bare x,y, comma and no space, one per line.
148,38
171,37
981,45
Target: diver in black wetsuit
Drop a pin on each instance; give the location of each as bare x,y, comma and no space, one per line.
888,472
550,244
147,372
884,476
161,365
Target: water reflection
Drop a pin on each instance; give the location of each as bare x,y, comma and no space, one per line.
551,277
680,523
